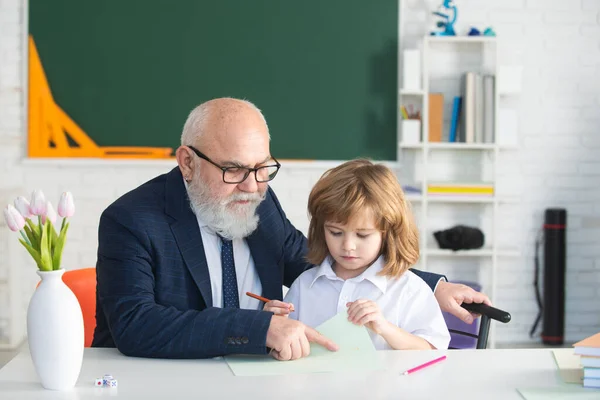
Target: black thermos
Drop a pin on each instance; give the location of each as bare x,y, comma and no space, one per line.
554,275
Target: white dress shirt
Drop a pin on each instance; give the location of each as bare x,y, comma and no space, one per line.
247,277
407,302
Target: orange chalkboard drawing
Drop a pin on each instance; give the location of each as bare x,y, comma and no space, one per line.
49,126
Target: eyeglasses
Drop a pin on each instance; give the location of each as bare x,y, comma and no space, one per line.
237,175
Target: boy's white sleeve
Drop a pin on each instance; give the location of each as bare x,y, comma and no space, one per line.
293,296
423,317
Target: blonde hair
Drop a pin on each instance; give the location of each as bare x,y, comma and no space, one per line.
350,188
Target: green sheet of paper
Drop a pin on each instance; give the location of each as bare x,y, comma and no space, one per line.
560,393
569,368
356,352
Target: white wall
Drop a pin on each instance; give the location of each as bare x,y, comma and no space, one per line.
557,42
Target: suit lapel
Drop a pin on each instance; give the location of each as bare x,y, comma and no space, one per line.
187,233
265,265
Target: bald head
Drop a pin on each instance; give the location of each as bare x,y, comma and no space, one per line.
217,119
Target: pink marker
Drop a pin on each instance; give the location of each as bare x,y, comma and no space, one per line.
415,369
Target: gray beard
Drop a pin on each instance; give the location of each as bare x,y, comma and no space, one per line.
231,223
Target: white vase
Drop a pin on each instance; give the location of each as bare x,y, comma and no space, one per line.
55,332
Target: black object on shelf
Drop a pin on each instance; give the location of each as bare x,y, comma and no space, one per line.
460,237
555,255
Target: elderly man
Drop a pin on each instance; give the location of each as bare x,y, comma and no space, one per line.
177,254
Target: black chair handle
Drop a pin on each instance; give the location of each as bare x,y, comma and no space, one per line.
489,311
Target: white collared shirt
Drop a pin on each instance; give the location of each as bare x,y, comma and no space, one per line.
407,302
247,277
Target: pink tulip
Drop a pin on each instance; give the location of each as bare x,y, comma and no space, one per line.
50,213
66,206
38,203
22,204
14,219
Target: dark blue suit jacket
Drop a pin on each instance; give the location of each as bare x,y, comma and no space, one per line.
153,293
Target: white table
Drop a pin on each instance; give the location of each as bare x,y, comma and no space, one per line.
465,374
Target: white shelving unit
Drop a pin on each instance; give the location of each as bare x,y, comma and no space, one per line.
478,54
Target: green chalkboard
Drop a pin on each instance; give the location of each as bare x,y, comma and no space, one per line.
323,72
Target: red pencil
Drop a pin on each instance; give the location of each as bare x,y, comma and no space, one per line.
257,297
415,369
263,299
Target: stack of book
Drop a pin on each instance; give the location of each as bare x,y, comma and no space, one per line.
472,118
460,189
589,351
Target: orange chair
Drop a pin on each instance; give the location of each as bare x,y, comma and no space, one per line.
83,284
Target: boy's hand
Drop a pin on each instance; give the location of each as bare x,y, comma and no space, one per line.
367,312
279,307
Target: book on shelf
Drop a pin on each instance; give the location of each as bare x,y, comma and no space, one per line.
459,194
454,123
467,134
479,108
462,184
459,190
476,111
452,188
488,108
411,189
436,116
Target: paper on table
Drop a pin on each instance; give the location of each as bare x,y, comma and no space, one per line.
559,393
356,352
569,368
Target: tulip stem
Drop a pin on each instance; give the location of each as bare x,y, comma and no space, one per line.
25,237
62,226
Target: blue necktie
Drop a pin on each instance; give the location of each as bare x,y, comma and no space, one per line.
230,289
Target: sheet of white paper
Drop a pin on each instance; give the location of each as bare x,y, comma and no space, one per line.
356,352
569,368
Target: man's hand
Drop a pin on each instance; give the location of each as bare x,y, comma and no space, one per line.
451,295
289,339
